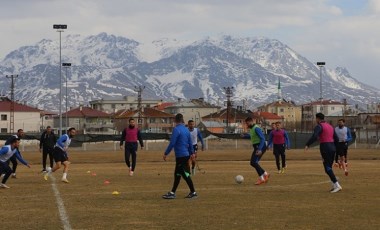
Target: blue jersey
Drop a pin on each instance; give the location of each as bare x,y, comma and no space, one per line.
181,142
6,152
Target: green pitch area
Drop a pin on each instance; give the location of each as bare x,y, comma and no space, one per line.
298,199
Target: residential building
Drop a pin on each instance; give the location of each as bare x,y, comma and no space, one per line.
289,111
87,120
149,120
112,104
24,117
236,119
194,109
265,119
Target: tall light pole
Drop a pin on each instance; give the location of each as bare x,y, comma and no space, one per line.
60,28
66,65
320,64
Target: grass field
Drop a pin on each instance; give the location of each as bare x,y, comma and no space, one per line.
298,199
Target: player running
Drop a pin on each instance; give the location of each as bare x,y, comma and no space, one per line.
326,134
7,152
258,142
60,155
344,136
280,139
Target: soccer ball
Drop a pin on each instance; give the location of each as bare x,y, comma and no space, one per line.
239,179
48,169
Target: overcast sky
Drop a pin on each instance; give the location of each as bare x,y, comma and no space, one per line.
340,32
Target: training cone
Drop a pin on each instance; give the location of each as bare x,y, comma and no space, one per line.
115,193
88,171
107,182
93,174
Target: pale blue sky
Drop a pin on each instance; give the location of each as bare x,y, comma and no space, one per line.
341,32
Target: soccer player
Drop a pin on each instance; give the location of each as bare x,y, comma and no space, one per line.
130,135
183,149
13,159
6,152
344,136
280,139
326,134
47,142
195,136
60,155
258,142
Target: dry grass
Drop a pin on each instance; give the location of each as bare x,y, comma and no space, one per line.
298,199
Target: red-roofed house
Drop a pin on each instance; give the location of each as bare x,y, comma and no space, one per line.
25,117
266,119
152,120
86,120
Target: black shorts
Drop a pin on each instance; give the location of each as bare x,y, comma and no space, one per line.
59,155
195,147
341,148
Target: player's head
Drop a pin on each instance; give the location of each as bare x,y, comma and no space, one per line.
48,129
15,142
178,118
131,122
273,125
319,117
278,125
190,124
341,123
71,132
20,133
249,122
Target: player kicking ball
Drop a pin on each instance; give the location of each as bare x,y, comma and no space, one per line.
60,155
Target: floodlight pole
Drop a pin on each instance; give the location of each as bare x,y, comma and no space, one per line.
66,65
320,64
60,29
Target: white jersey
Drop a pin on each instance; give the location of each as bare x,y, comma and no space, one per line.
194,136
7,155
341,133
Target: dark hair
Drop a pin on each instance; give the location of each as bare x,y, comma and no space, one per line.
178,118
48,127
131,119
190,121
19,130
320,116
342,120
248,119
69,130
14,140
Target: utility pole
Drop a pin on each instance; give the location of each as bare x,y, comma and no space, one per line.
228,91
344,107
12,111
139,90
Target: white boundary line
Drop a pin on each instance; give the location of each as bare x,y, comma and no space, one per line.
61,207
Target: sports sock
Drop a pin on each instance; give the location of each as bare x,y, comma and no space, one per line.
64,175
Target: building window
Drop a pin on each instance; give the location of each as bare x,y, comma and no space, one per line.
4,117
152,120
113,106
333,108
4,130
281,110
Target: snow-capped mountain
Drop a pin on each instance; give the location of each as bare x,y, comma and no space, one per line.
107,65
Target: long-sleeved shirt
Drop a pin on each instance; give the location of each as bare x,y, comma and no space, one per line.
256,134
6,152
316,134
195,136
47,140
279,134
344,134
125,133
180,141
63,142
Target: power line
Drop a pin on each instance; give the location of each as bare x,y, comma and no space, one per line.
228,91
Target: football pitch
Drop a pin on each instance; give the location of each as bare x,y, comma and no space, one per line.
297,199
